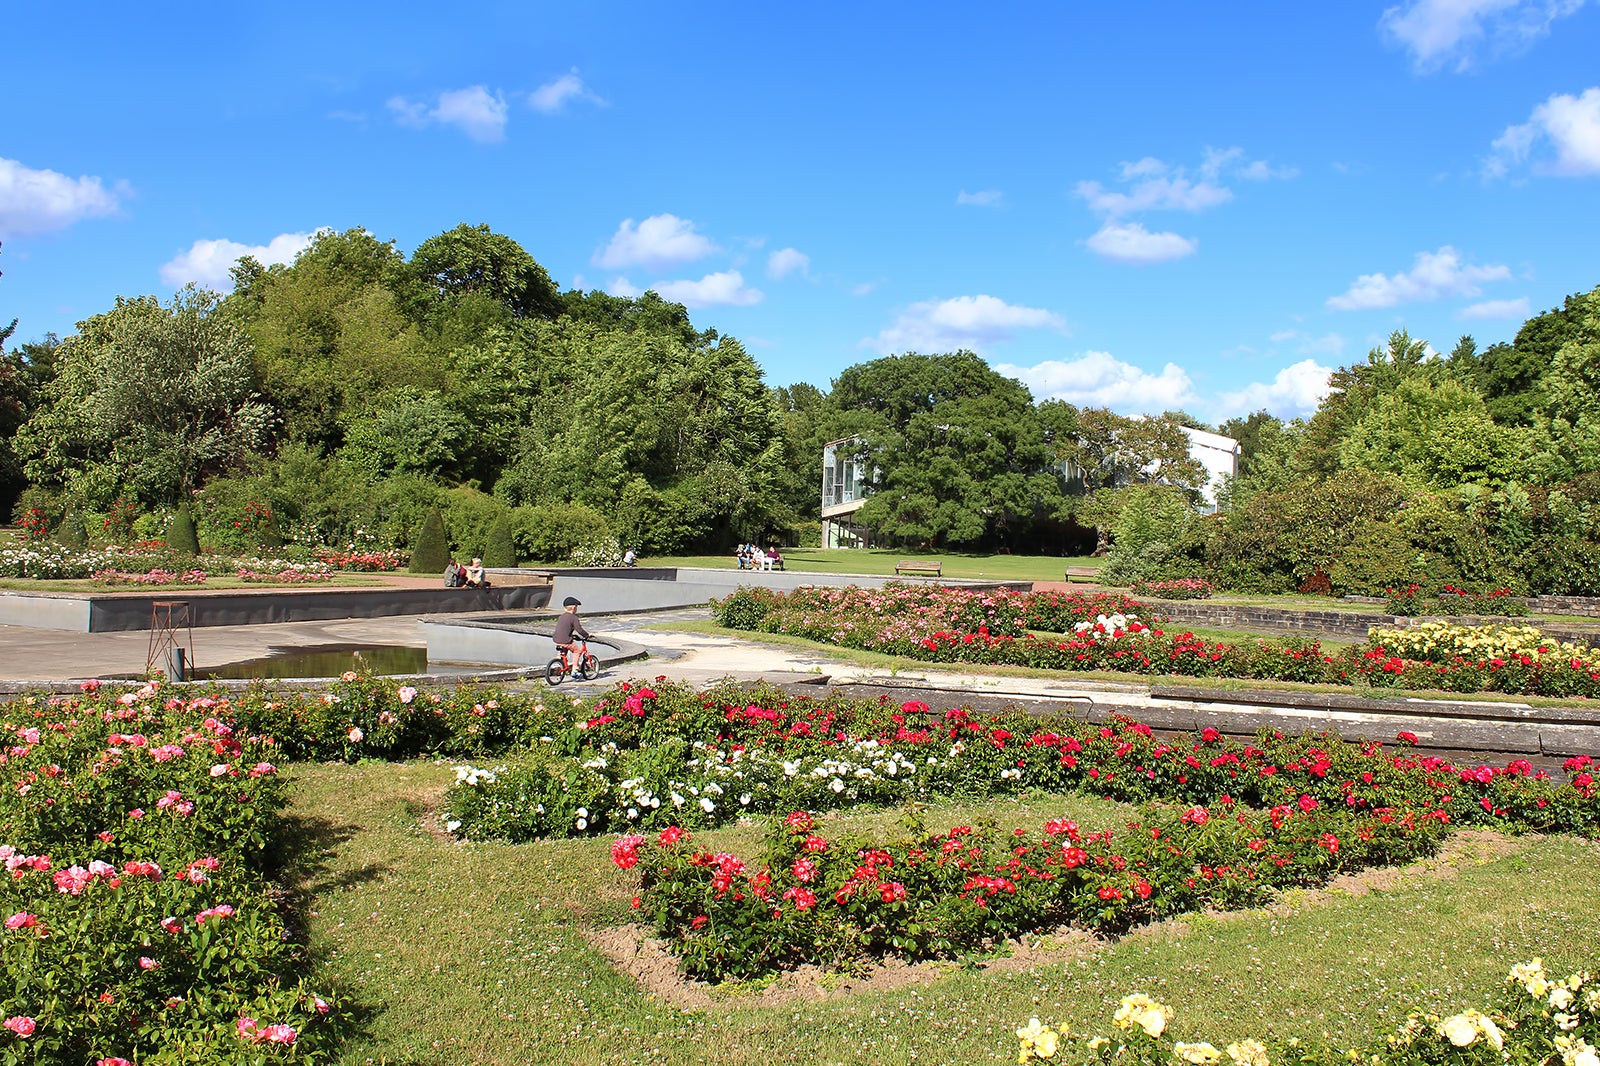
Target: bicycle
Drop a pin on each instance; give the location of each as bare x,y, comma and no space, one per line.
587,667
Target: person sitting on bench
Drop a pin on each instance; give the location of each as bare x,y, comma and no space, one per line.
476,578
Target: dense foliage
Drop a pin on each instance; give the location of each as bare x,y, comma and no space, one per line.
334,401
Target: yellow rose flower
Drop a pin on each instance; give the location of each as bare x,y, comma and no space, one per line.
1196,1054
1459,1030
1248,1053
1145,1013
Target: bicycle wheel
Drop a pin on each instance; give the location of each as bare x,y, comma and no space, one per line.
589,669
554,672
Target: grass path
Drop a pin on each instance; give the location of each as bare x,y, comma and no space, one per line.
476,952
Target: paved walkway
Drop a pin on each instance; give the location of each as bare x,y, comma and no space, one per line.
32,655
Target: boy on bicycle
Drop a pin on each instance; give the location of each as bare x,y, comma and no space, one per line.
568,626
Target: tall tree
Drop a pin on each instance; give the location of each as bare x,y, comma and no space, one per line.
147,401
476,260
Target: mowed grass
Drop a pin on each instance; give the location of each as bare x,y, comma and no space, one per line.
880,562
476,952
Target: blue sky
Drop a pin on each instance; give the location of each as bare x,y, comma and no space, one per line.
1206,205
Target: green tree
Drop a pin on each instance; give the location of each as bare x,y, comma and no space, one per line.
430,551
147,401
476,260
181,535
501,550
1432,434
958,450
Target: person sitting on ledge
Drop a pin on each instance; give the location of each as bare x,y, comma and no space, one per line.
455,575
476,579
630,558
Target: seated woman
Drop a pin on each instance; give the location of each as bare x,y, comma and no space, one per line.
476,578
774,558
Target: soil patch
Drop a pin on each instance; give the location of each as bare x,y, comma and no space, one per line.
633,951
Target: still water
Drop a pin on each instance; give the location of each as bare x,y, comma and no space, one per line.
331,660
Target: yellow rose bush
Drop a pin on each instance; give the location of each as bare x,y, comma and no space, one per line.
1541,1020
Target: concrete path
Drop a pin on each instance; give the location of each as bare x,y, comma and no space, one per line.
31,655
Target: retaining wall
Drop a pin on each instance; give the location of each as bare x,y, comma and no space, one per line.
1351,624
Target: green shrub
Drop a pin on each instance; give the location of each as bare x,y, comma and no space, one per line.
72,534
501,549
551,532
430,551
470,515
180,535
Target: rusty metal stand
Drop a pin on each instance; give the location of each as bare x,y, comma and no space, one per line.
171,639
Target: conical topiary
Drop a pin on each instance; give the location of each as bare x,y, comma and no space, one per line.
501,549
181,536
72,534
430,552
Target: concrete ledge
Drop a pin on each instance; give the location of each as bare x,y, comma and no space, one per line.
46,611
126,613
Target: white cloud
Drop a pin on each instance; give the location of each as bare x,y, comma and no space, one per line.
657,242
38,201
786,261
961,322
1517,308
721,289
621,286
1434,275
1294,393
863,288
1438,33
207,262
1098,379
1568,124
981,198
552,96
475,111
1154,185
1132,243
1159,193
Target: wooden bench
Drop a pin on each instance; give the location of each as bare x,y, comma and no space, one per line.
929,567
1083,573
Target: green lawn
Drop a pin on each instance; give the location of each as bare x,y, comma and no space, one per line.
880,561
477,953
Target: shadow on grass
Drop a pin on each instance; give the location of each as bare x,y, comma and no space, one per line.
303,867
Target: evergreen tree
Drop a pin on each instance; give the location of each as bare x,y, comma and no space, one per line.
501,549
430,552
181,536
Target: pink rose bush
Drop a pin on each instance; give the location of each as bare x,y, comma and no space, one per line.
133,879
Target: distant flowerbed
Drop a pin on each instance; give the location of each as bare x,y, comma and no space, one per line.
1183,588
1014,629
152,563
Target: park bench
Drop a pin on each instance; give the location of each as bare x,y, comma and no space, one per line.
929,567
1083,573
